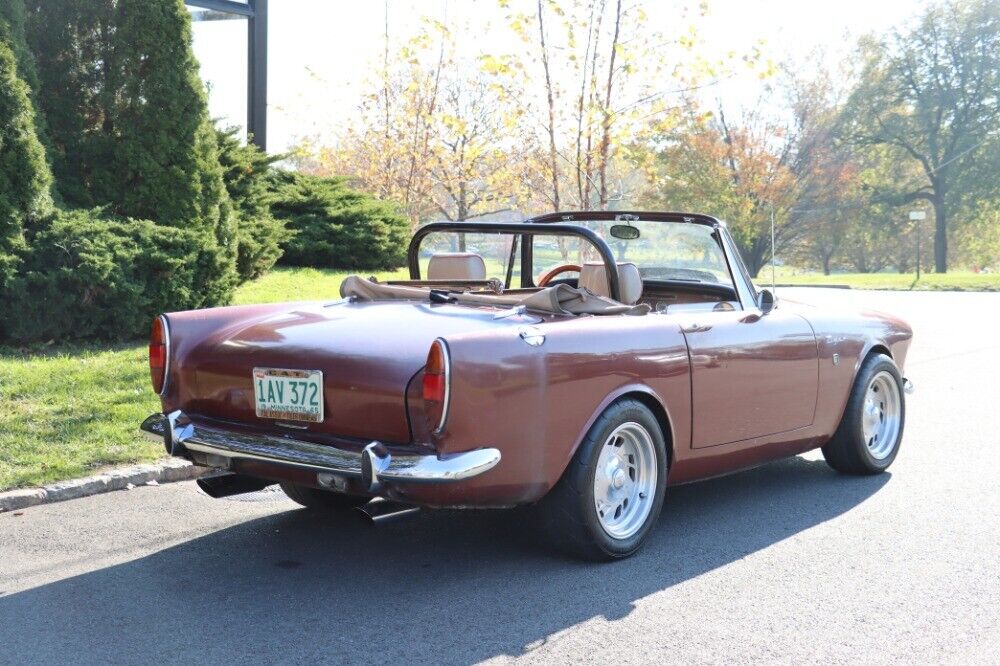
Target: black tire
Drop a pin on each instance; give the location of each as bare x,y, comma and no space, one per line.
322,500
568,515
847,451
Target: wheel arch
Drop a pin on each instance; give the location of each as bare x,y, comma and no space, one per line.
647,397
872,347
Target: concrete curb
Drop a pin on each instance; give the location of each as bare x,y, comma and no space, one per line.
123,478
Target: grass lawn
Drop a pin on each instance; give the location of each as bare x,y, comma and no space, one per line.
69,410
891,281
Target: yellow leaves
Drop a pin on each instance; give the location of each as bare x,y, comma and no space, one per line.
520,25
490,64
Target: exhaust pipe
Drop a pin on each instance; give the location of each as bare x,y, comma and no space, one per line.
380,511
226,485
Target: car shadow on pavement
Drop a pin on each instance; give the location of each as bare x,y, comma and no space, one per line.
447,587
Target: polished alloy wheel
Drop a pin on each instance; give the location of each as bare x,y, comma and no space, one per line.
625,480
880,415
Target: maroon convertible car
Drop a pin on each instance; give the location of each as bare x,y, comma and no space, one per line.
577,362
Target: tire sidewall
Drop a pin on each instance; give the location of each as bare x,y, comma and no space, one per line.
873,365
590,449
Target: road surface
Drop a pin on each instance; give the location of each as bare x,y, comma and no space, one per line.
785,563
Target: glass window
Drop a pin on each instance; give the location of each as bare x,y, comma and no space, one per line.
496,249
663,251
220,42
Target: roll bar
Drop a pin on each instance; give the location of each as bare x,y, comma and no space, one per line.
524,229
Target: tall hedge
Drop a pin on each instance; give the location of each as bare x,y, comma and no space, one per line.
128,117
24,175
72,53
14,14
334,226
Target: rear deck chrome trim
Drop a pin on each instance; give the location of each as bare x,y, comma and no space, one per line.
180,434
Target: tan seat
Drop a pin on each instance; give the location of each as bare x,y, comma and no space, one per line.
456,266
594,276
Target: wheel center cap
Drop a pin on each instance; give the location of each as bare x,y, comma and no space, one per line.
618,479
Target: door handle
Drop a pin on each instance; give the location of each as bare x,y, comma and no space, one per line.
696,328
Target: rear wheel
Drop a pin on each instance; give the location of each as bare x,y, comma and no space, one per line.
611,494
868,438
323,500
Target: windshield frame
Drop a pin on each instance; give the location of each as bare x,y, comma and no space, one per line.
738,274
562,223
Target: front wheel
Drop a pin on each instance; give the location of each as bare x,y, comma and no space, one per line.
610,496
868,438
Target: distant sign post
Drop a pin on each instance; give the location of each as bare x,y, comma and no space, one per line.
918,216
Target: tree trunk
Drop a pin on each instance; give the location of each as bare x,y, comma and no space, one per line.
826,265
605,145
940,234
553,163
463,213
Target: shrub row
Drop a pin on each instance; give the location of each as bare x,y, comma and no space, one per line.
334,226
89,275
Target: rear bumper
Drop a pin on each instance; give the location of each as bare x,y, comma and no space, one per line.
374,465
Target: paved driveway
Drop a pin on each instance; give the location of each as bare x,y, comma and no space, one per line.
788,563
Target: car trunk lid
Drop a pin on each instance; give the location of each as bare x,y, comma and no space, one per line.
367,352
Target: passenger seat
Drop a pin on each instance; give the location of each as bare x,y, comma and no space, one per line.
456,266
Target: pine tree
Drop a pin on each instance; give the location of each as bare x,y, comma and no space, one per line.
165,164
69,41
25,179
248,177
15,14
128,117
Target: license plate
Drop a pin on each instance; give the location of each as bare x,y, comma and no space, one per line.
292,395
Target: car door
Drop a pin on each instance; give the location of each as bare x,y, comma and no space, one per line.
752,374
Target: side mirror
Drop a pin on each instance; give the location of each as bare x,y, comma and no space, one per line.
765,301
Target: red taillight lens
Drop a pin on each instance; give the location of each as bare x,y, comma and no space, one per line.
436,385
159,349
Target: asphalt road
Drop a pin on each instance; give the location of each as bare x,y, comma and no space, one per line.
785,563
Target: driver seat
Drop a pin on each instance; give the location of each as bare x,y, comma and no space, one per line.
594,276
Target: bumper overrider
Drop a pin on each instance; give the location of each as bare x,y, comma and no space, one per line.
374,465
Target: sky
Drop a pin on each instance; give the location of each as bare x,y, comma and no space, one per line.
320,51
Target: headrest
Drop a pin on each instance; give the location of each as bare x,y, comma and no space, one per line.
456,266
593,276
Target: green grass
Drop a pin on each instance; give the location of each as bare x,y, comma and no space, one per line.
68,410
302,284
891,281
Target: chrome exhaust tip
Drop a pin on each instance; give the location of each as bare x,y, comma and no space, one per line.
380,511
907,386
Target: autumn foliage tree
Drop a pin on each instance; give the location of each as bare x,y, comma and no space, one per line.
932,93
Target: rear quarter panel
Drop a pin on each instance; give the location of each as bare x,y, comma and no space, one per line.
536,404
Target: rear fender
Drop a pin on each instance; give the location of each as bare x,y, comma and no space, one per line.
646,395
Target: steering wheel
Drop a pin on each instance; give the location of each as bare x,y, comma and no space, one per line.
558,270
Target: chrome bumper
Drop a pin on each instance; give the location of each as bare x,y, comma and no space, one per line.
374,465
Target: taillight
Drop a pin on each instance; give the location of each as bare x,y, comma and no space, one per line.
437,389
159,354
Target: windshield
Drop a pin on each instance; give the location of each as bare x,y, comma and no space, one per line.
662,250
